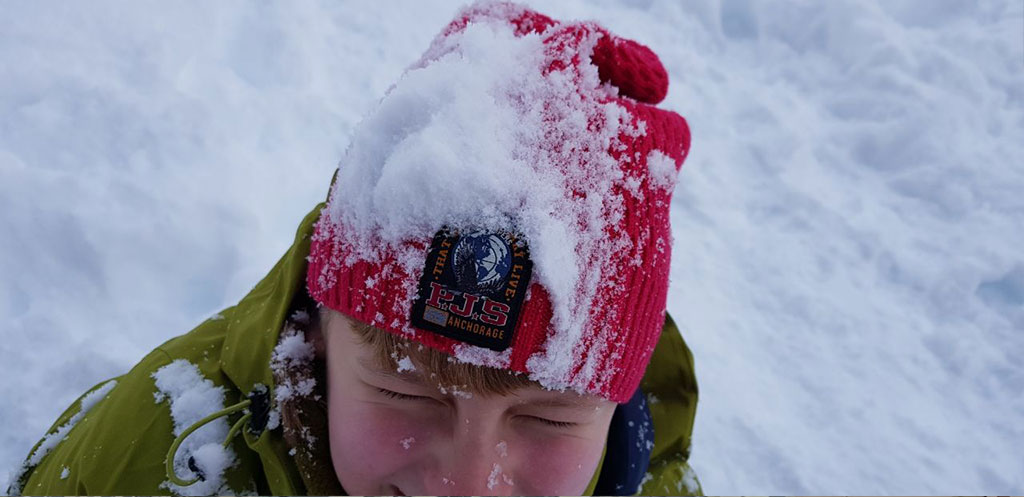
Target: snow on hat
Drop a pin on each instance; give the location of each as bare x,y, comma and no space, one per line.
507,202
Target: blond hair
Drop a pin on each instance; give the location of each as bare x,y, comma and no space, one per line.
389,348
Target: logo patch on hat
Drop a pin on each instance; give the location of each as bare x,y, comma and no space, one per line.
473,287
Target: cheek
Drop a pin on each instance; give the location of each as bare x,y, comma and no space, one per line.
371,443
560,467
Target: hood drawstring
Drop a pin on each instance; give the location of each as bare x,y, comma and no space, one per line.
257,399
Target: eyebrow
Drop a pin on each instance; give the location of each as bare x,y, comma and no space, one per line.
559,403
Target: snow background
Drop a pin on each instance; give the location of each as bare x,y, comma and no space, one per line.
847,267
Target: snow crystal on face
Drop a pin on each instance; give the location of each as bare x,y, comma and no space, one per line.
457,392
50,440
662,170
193,397
461,141
407,442
64,473
492,479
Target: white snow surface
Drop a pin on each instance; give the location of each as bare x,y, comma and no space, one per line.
846,264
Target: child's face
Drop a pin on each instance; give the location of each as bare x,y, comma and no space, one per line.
396,433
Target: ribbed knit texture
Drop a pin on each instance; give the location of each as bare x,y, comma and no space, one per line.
630,312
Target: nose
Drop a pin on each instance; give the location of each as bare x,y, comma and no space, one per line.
477,463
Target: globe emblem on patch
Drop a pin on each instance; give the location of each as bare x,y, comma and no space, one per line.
481,261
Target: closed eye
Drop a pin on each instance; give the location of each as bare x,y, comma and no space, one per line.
394,395
553,423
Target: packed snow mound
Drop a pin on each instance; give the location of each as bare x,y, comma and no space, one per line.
193,397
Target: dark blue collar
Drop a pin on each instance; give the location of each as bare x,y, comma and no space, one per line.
628,451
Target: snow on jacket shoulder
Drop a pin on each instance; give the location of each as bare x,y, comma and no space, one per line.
116,438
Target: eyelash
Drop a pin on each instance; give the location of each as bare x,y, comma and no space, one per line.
554,423
394,395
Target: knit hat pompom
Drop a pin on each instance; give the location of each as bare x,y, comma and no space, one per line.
507,202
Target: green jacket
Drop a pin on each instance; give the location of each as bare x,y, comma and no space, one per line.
114,440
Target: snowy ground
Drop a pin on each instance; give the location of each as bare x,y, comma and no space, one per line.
848,227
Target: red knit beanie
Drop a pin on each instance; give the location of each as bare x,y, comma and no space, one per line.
508,202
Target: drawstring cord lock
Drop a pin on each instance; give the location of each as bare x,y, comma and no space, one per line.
260,403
